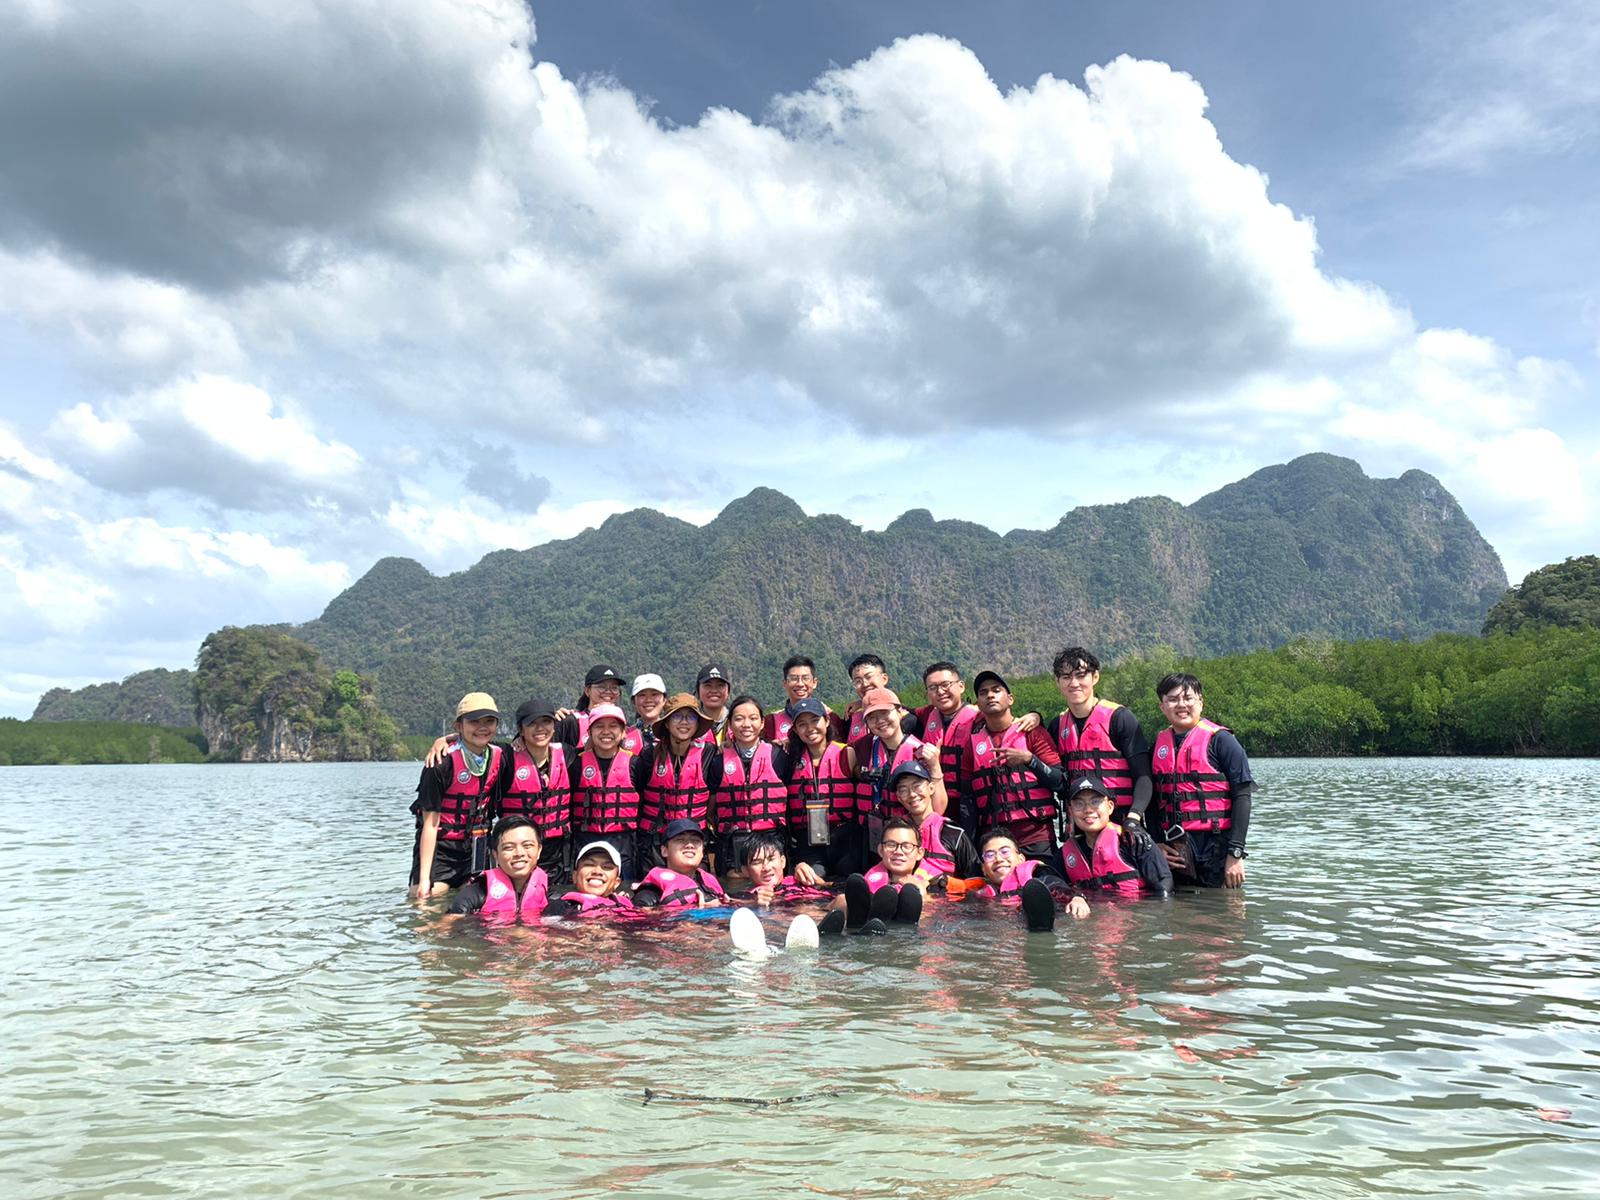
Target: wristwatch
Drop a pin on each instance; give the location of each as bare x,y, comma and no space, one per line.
1237,852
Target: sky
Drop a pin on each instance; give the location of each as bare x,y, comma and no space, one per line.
287,286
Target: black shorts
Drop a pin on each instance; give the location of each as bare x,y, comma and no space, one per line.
1207,850
452,861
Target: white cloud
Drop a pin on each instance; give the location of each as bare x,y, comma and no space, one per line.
367,279
1508,81
216,438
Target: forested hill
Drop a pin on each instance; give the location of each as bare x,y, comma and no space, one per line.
1310,548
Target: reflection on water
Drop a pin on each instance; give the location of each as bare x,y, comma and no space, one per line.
238,1000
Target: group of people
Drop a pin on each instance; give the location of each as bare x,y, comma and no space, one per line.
706,798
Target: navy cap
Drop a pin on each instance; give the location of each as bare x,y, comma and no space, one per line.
1086,783
599,674
912,767
681,826
809,705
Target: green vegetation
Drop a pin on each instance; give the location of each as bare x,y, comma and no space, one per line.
69,743
1313,548
265,696
1563,594
1533,692
158,697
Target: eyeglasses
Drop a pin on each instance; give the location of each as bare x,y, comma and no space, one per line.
806,678
897,847
1180,698
953,685
1086,803
1074,676
1004,854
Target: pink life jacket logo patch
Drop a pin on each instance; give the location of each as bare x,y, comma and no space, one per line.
522,772
1161,751
588,772
1072,860
463,776
982,747
498,890
661,768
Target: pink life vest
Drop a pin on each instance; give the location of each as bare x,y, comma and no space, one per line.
464,804
582,716
502,900
788,891
827,786
678,889
671,793
587,904
858,727
1012,883
870,756
608,805
777,726
936,855
760,801
1104,867
935,728
546,800
1192,791
633,740
1092,751
1001,794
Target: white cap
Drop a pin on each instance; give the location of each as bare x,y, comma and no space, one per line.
645,682
610,850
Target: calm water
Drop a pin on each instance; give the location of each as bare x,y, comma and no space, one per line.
212,985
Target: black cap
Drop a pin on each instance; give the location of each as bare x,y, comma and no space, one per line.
809,705
712,671
599,674
531,709
994,675
681,826
913,767
1086,783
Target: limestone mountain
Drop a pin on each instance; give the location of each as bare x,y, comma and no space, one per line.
1310,548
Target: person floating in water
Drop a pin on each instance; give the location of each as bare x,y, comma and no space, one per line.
765,863
596,882
1099,855
891,891
1008,875
684,881
516,888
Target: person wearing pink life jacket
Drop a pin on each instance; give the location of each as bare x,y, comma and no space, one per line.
1008,875
514,890
1098,856
684,881
827,808
453,803
534,784
596,883
649,696
675,774
1203,787
750,794
885,747
891,891
764,865
602,684
1102,738
605,799
946,721
799,682
1010,773
946,848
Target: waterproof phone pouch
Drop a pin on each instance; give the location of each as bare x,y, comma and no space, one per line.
480,853
817,822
